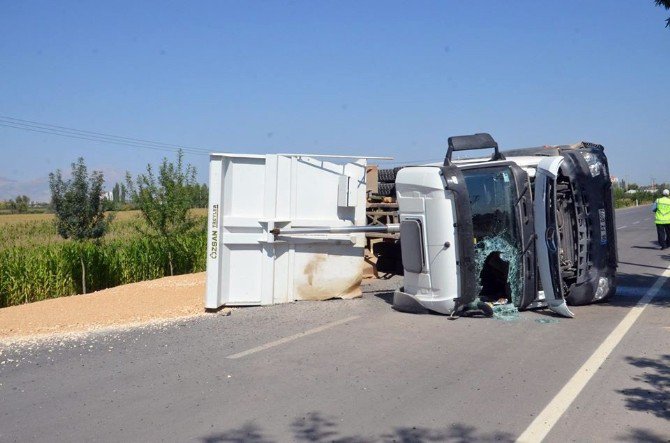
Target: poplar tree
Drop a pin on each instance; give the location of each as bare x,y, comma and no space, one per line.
164,201
78,205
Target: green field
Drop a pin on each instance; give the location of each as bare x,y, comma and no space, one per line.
36,264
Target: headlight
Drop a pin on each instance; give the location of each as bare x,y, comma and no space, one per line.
595,165
602,289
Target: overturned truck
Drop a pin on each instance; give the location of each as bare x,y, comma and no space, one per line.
531,227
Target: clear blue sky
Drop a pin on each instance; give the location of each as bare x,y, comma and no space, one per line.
376,78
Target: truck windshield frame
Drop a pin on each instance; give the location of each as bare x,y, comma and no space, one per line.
497,235
493,197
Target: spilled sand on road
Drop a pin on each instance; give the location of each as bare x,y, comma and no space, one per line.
135,304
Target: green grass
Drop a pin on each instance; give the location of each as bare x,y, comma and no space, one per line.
36,264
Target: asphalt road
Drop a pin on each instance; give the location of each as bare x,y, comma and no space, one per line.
355,371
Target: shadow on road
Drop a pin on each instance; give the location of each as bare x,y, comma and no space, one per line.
643,265
249,433
315,427
632,287
642,280
655,248
654,396
643,435
386,296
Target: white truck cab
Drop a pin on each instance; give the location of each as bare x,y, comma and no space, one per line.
525,229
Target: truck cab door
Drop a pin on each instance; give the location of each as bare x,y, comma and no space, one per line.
526,225
548,236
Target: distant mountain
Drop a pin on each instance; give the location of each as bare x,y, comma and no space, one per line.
36,188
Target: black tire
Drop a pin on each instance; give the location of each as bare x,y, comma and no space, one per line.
386,189
395,171
386,175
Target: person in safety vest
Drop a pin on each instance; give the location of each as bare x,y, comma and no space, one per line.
662,209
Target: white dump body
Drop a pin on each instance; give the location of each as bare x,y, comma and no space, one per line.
250,195
431,274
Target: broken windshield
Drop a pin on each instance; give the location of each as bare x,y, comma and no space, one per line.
493,197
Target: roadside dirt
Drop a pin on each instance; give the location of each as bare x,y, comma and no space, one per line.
140,303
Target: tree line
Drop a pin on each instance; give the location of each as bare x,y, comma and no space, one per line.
122,199
19,205
119,199
630,194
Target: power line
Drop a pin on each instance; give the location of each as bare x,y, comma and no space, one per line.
100,140
81,134
68,129
62,131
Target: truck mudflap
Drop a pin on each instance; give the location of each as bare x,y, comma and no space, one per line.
548,243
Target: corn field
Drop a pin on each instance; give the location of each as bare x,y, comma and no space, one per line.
36,264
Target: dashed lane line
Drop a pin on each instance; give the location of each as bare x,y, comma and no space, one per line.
281,341
623,227
550,415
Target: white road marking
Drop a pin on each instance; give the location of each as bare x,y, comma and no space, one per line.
550,415
623,227
636,222
281,341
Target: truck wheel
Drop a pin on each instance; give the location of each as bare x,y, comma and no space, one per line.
386,175
386,189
